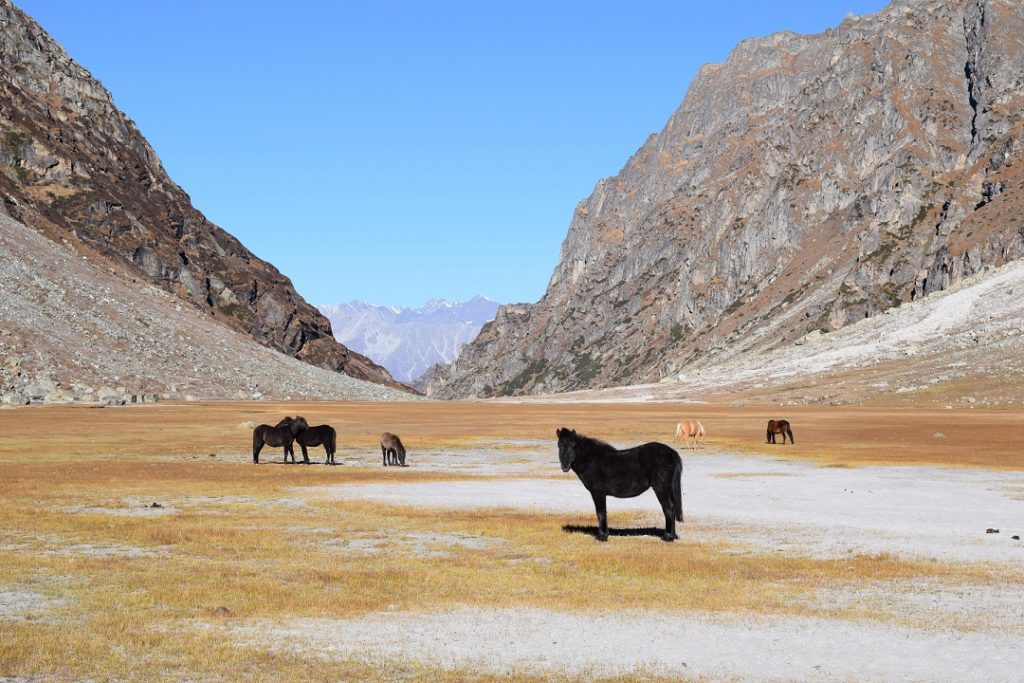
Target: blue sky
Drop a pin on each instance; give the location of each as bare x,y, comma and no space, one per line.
401,151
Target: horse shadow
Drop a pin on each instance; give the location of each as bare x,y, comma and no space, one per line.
592,530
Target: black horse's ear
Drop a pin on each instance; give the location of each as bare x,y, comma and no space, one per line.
562,431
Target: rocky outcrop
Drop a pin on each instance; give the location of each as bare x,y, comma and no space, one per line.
806,182
77,169
72,330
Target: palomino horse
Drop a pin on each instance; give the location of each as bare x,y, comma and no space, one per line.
690,429
779,427
392,450
606,471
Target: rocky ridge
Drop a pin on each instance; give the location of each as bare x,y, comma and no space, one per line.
807,182
71,330
960,348
77,169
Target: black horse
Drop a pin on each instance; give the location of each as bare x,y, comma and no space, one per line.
283,434
779,427
606,471
321,435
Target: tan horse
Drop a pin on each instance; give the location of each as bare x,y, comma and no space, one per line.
690,429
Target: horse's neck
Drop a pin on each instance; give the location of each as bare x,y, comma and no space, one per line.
589,456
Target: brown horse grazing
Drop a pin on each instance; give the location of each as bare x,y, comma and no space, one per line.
690,429
392,450
779,427
280,435
315,436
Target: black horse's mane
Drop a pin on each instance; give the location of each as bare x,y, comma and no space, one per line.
596,444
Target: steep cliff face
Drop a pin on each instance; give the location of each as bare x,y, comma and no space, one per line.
806,182
76,168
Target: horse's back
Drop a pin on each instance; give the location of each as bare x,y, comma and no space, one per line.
658,452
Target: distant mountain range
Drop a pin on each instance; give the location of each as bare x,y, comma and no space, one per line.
408,341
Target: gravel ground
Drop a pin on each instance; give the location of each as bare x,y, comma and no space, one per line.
764,503
70,330
509,641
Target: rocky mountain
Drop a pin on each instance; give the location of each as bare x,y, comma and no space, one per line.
959,348
408,341
807,182
78,329
75,168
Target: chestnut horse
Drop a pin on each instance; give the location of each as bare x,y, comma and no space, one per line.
690,429
779,427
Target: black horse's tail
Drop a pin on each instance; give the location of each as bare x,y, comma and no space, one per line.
332,438
790,431
257,442
677,491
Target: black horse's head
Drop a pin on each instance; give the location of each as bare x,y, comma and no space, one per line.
299,424
566,447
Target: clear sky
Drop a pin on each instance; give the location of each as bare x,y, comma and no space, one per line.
400,151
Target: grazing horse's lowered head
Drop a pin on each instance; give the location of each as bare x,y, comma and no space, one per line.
392,450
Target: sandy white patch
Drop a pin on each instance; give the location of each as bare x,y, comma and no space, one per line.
508,641
134,511
930,512
16,603
106,550
54,545
995,609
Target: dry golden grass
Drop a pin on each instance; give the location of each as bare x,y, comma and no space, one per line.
850,435
243,537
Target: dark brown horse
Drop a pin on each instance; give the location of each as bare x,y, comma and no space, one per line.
320,435
392,450
279,435
779,427
606,471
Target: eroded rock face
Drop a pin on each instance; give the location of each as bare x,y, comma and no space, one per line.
76,168
806,182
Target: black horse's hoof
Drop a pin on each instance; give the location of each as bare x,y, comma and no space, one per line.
603,538
668,538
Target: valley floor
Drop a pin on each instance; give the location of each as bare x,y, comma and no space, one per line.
860,553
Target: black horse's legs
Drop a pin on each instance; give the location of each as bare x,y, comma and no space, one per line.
665,498
256,452
305,454
602,515
384,455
